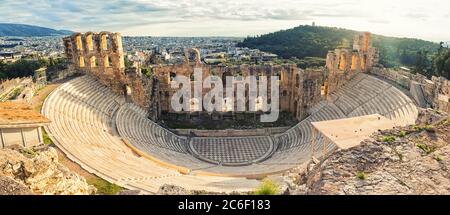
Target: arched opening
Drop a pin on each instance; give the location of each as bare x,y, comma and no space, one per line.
93,62
354,62
364,62
324,89
192,54
342,62
89,42
105,41
79,42
172,75
81,61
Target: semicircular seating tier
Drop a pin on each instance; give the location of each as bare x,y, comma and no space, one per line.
82,112
88,116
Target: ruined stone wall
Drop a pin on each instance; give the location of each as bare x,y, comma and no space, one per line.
101,55
436,92
344,64
298,90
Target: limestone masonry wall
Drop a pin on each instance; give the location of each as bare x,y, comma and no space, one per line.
343,64
101,55
434,93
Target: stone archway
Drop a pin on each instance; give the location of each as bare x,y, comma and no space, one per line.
196,52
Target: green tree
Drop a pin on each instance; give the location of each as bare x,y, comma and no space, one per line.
441,62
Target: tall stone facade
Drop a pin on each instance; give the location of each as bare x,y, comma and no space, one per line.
343,64
298,89
101,55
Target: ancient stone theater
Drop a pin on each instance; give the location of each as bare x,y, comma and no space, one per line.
108,119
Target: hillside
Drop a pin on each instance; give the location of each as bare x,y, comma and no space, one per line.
316,41
411,160
20,30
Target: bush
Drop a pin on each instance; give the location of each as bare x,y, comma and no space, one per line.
361,175
429,128
401,134
28,151
267,187
426,148
388,139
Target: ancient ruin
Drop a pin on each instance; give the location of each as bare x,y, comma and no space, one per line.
113,112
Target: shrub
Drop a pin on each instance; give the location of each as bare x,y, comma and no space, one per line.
402,134
28,151
267,187
426,148
417,128
361,175
429,128
388,139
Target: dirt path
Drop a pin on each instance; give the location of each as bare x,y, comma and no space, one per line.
39,98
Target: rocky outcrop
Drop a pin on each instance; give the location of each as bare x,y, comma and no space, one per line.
412,160
40,172
168,189
9,186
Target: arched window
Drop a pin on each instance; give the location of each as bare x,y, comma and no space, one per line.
172,75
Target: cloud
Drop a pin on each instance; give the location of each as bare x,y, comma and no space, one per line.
238,17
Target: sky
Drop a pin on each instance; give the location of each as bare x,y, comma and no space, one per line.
429,20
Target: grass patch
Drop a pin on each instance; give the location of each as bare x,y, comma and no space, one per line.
268,187
388,139
15,93
401,134
428,128
361,175
425,148
47,140
104,187
28,151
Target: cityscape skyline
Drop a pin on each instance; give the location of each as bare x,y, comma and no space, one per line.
232,18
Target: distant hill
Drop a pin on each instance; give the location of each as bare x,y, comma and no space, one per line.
315,41
20,30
